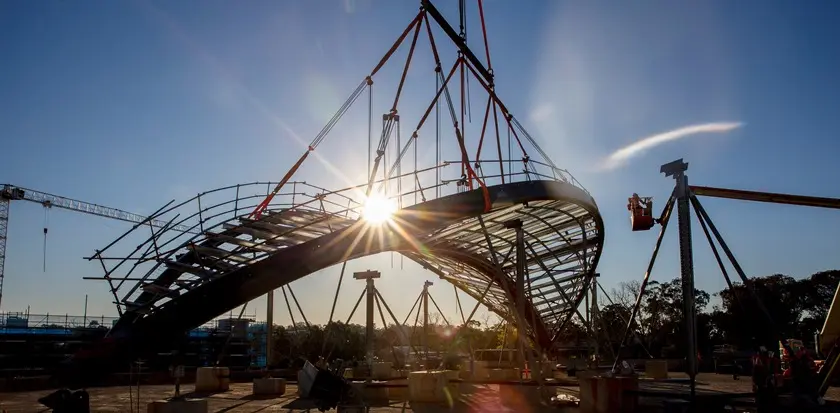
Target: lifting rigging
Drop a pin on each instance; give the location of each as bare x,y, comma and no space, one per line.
466,63
10,193
232,248
685,197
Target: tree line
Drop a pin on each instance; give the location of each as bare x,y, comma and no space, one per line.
337,340
732,316
797,309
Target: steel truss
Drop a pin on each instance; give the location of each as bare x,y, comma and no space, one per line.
246,240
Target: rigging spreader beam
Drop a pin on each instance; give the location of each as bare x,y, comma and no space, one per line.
462,45
770,197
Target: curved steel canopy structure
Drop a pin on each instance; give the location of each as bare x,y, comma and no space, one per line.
241,245
240,259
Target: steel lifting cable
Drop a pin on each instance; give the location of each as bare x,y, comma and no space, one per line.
492,86
368,81
532,142
483,131
484,33
460,122
445,89
462,5
392,117
465,162
312,146
511,121
432,105
466,168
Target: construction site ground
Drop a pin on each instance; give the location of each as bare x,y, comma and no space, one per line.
239,399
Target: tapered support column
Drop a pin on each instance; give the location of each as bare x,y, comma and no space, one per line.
370,290
520,298
425,341
682,193
269,327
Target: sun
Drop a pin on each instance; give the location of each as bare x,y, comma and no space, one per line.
378,209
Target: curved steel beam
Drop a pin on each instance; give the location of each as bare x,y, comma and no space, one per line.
138,333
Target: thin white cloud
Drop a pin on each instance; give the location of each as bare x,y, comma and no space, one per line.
542,112
620,157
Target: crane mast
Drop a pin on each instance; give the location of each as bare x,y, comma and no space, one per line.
11,193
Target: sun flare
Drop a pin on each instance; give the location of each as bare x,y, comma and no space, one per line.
378,209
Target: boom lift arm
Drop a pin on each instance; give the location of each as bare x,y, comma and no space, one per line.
10,193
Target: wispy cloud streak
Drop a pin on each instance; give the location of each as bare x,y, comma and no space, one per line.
620,157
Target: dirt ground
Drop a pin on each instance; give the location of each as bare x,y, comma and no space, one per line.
483,398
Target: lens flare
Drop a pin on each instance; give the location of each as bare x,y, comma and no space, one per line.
378,209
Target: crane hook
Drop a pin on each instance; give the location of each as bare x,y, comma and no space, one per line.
47,206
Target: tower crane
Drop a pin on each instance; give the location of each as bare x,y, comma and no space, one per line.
10,193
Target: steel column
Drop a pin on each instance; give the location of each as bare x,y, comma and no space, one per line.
425,341
594,314
519,290
269,327
683,195
370,291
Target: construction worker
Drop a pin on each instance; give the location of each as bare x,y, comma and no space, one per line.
803,378
764,380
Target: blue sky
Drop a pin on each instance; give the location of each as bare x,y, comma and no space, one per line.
131,104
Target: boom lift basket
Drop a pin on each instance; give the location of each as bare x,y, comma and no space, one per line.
641,214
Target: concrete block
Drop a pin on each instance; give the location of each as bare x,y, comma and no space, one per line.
398,393
269,386
428,387
656,369
608,394
381,370
504,374
178,406
370,393
212,379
